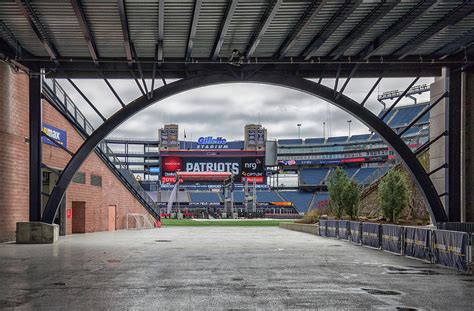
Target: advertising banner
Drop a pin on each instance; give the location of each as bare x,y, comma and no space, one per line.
371,235
451,249
323,227
392,238
343,229
243,168
417,243
355,232
56,134
332,228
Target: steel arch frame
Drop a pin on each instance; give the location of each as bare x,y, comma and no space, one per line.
407,157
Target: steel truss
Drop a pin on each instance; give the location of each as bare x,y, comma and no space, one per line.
331,95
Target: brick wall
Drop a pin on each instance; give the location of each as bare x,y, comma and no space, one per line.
97,199
14,165
13,151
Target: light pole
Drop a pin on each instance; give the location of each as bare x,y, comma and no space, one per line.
349,123
299,127
324,130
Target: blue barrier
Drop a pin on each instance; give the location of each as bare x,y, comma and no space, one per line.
323,227
417,243
392,238
332,228
343,229
371,235
450,249
355,232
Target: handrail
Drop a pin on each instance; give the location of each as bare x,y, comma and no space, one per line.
61,100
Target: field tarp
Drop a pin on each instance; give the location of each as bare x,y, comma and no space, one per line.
417,243
371,235
356,233
323,227
392,238
343,230
451,249
332,228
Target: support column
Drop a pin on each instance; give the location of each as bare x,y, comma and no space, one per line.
35,112
467,147
453,148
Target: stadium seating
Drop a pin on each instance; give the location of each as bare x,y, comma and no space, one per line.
361,137
312,176
301,200
336,139
363,173
268,196
405,115
182,196
290,141
211,197
320,200
314,141
350,171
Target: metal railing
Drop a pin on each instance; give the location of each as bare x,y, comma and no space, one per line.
61,100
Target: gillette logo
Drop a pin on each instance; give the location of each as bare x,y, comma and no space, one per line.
209,140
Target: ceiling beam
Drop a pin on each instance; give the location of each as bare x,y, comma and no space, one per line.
193,28
81,18
418,11
161,30
35,24
330,27
373,18
125,32
457,45
308,16
224,27
262,27
454,16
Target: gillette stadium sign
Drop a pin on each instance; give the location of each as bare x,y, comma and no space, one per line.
210,142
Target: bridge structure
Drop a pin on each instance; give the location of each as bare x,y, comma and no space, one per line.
294,44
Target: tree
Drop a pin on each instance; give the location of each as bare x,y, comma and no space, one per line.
393,194
336,184
350,198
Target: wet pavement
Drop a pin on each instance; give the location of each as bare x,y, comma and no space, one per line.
221,268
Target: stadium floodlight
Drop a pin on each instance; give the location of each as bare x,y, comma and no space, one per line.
299,127
349,124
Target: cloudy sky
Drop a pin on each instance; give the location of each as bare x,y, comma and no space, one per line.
223,110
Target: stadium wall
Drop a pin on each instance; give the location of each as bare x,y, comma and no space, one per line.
97,201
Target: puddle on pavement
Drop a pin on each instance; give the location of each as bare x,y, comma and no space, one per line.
59,284
406,309
410,270
383,292
162,241
237,279
113,261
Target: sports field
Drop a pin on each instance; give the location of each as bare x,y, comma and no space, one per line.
223,222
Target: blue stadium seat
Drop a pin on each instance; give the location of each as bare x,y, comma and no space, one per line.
364,172
320,200
268,196
336,139
313,176
290,141
315,141
300,200
211,197
361,137
405,115
350,171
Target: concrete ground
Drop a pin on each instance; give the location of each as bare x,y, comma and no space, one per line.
221,268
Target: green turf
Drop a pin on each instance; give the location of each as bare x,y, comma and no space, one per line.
224,223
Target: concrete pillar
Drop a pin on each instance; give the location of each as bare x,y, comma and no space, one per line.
467,148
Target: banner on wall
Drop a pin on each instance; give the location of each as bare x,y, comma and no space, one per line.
391,238
57,135
417,243
450,249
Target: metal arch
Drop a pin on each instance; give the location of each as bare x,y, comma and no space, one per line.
417,171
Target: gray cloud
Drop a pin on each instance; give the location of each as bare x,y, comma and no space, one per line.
223,110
